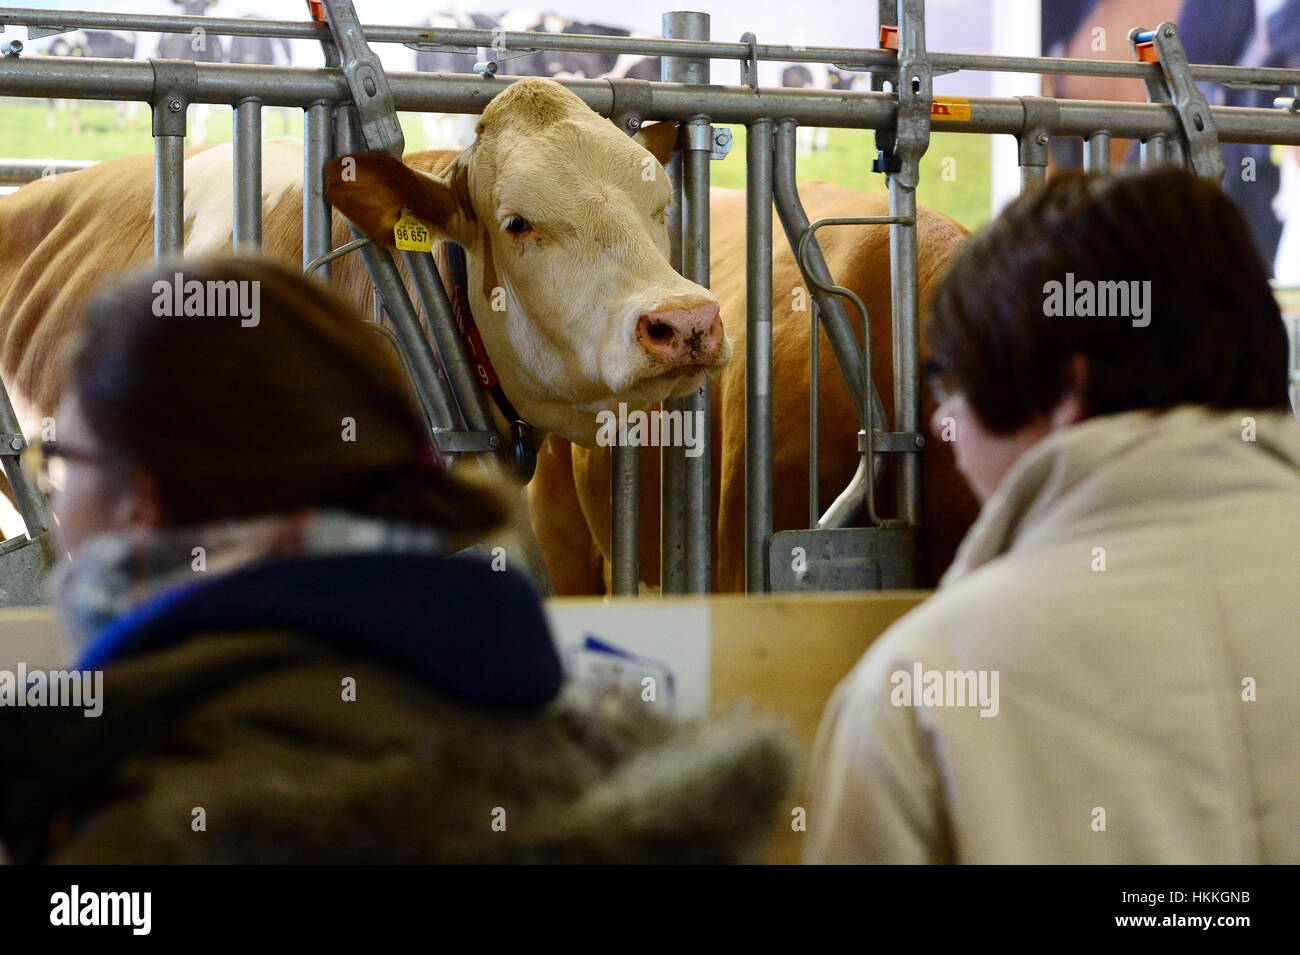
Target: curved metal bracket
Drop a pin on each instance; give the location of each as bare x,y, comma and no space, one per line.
749,65
873,409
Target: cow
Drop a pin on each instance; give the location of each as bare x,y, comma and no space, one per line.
572,333
563,221
569,497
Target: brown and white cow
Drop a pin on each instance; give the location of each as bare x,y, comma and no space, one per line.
562,218
571,490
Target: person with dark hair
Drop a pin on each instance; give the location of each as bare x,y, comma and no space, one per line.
295,668
1108,670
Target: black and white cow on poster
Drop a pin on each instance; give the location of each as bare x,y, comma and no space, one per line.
102,44
451,131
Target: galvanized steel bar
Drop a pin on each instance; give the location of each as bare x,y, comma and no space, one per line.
469,41
697,499
247,172
317,149
625,471
913,140
1096,153
470,397
1034,140
814,400
678,492
695,259
907,384
168,194
672,474
76,78
758,356
1154,152
15,172
625,517
431,386
835,320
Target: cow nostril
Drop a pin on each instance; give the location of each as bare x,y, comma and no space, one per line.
659,331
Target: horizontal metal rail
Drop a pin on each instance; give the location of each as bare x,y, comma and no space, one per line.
15,172
226,83
470,41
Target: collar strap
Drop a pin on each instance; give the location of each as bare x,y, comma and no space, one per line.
522,453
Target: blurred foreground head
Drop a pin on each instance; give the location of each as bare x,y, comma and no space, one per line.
1094,296
227,388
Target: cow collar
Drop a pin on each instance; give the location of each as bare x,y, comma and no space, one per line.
523,455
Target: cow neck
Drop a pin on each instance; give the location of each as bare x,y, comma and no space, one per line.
523,454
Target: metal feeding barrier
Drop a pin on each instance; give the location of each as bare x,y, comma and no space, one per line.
352,103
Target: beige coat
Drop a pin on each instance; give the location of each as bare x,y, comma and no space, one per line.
1133,586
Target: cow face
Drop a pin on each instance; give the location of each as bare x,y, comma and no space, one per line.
563,220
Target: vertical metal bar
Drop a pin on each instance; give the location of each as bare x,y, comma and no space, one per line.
1096,154
625,498
758,355
685,506
1154,151
913,136
672,461
470,397
907,381
698,501
168,194
839,331
1031,177
1035,140
248,174
814,415
317,149
430,384
625,526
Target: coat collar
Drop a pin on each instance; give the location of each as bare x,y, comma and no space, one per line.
1145,461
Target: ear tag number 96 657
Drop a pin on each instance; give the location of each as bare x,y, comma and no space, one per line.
410,235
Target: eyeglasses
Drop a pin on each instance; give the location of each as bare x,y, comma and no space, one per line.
937,373
46,463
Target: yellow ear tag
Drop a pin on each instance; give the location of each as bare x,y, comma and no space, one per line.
410,234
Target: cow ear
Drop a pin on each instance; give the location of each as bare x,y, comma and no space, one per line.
660,139
372,189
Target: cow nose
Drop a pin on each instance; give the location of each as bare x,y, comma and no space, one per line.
681,336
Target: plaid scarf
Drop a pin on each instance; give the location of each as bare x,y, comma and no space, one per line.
116,572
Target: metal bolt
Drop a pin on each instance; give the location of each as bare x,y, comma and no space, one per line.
722,137
174,106
1042,139
1169,31
920,441
633,123
16,444
494,441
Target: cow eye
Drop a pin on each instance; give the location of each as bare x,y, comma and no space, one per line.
517,225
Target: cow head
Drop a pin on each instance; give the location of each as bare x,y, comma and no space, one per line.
563,221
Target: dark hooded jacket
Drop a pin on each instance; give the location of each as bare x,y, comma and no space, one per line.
367,709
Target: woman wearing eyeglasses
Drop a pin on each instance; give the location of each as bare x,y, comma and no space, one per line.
294,668
1108,672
